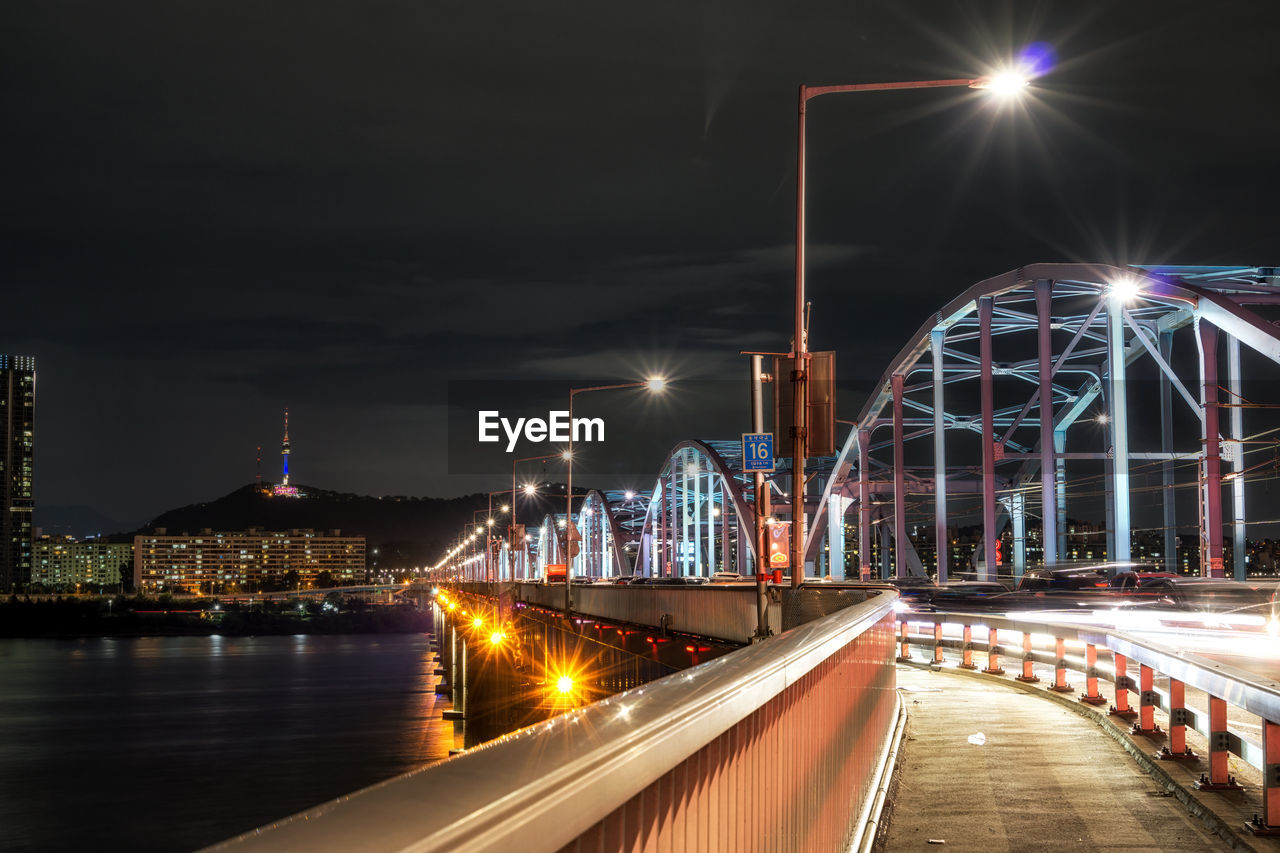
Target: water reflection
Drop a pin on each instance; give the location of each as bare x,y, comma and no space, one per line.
169,743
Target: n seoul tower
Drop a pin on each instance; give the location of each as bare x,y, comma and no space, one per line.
284,449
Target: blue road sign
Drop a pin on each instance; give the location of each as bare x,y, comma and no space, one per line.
757,451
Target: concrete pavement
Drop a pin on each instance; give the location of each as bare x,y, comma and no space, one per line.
985,766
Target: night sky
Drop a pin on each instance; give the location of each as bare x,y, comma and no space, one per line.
214,210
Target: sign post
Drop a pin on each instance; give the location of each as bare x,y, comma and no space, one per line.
757,452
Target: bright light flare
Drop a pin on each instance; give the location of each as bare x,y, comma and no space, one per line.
1037,59
1005,84
530,489
656,384
564,685
477,622
1124,289
497,637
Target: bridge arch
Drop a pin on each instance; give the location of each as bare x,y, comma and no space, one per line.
1103,345
546,546
699,513
601,552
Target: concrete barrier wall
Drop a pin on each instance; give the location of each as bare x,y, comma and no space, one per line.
775,746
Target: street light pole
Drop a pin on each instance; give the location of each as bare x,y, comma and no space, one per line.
655,384
528,490
1003,83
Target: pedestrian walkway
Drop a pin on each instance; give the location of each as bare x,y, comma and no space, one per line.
988,767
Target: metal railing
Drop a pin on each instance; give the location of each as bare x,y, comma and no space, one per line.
1077,648
781,745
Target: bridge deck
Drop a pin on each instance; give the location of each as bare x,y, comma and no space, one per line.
1045,778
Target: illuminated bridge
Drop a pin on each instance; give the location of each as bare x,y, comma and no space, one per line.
1050,393
1034,399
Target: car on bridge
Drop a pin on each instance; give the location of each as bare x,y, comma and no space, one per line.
914,589
1129,581
1212,595
962,595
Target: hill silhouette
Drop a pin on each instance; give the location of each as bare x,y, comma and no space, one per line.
406,531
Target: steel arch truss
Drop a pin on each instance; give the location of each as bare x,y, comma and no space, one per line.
1045,368
699,516
601,553
547,548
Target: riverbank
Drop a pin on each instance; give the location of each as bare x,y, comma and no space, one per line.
148,617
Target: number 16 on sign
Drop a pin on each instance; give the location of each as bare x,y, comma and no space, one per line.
757,451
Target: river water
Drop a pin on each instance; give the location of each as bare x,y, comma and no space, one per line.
172,743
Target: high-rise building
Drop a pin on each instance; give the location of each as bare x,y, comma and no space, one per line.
63,564
17,461
246,561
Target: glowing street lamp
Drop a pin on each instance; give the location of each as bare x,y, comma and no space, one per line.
654,385
1001,84
1124,289
529,491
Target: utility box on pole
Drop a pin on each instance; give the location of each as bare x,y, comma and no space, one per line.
821,404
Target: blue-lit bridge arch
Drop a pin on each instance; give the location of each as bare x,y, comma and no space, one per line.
1084,338
546,548
602,552
699,514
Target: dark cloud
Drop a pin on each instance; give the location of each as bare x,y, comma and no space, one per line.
212,211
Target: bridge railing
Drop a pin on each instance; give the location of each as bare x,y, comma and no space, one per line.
1079,648
780,745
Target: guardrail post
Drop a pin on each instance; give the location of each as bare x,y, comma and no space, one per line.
1060,668
993,654
1219,779
1147,702
967,649
1177,749
1123,685
1269,823
905,655
937,642
1091,696
1027,676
